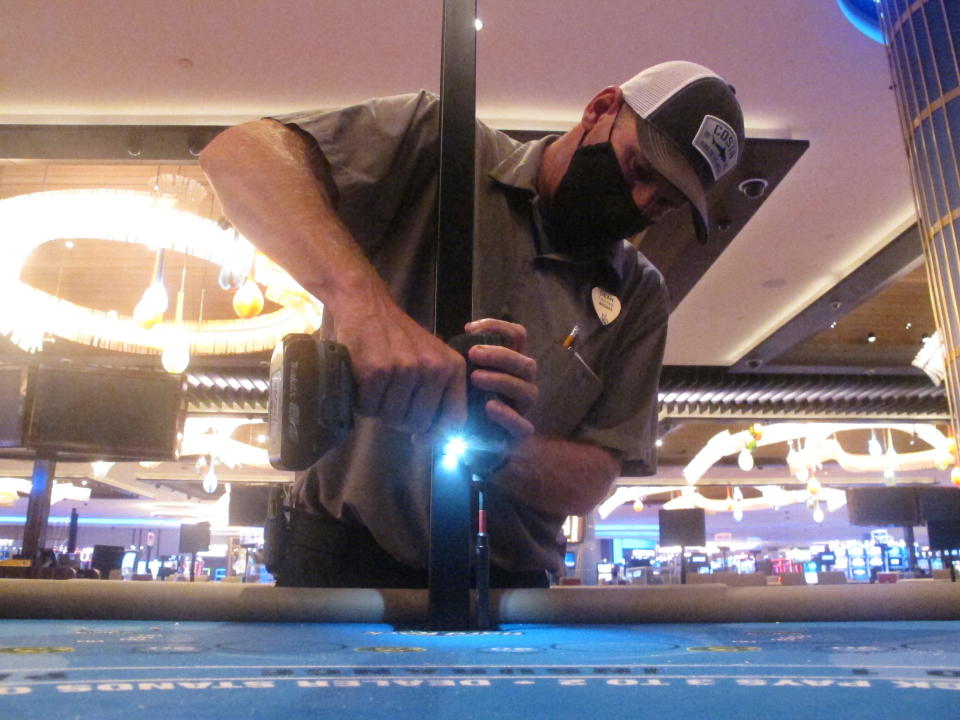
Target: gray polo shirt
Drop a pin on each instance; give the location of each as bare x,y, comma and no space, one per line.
384,156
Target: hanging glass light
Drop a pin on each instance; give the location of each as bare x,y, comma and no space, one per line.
737,504
232,273
176,350
248,300
149,311
210,479
818,514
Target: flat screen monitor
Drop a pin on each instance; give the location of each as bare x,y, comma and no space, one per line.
686,528
878,506
940,504
194,538
943,535
248,504
80,413
106,558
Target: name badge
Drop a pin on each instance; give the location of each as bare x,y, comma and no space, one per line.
606,304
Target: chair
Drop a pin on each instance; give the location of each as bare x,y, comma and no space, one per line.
14,571
698,579
792,578
743,579
831,577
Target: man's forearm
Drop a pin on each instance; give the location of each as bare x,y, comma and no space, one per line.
558,476
266,180
275,188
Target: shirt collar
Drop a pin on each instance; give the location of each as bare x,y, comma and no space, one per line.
519,169
518,173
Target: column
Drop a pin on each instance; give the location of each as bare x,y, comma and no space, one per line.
922,37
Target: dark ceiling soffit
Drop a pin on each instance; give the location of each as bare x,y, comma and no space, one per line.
713,391
896,259
682,389
671,245
170,143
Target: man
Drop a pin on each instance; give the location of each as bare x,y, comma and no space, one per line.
346,202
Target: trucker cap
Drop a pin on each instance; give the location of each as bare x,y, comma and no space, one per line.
690,126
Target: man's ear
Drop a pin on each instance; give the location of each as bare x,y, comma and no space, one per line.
605,102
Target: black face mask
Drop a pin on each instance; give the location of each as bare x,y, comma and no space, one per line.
592,207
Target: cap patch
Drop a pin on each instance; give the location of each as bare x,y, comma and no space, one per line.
718,144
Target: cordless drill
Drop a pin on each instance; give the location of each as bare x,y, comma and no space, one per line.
311,404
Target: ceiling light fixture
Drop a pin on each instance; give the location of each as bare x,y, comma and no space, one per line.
768,497
28,221
817,443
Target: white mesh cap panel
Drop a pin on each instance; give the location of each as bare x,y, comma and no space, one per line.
648,90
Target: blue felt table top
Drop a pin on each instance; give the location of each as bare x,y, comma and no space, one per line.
125,669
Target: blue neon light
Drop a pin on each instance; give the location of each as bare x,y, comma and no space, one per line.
865,17
621,531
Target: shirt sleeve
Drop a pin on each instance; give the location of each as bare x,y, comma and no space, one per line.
624,417
379,152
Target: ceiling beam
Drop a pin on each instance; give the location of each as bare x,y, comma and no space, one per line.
900,256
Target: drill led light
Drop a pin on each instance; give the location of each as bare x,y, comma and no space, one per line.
455,446
453,451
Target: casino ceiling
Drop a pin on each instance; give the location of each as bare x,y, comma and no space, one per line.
810,302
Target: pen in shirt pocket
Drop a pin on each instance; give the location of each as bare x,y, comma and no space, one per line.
571,337
567,344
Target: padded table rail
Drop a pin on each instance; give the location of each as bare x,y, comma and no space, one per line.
104,599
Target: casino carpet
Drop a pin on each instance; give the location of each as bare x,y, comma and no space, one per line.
109,670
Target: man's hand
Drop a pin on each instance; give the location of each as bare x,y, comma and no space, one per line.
406,377
507,371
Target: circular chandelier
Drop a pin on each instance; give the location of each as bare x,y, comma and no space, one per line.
150,220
